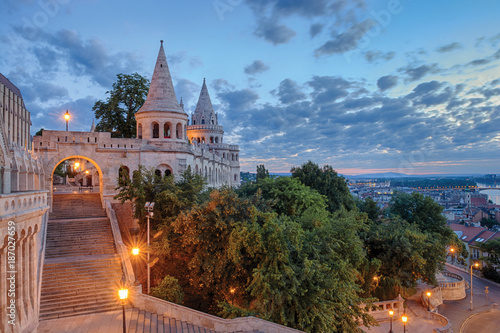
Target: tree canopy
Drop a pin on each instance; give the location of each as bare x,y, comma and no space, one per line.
327,182
282,250
117,113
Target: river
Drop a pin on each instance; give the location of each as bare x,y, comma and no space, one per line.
493,195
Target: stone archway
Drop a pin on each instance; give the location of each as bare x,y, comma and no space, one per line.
59,160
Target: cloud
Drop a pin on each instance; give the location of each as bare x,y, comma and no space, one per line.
415,73
189,92
289,92
274,32
375,56
345,41
256,67
43,91
387,82
316,29
449,47
238,100
82,58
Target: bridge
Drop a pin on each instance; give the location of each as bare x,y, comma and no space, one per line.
488,188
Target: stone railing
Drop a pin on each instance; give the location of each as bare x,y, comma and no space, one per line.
122,250
243,324
380,310
14,203
443,321
453,291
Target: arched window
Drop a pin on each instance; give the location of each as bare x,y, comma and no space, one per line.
166,131
216,139
202,121
139,131
235,177
194,121
196,169
158,173
211,139
156,130
179,131
124,172
168,172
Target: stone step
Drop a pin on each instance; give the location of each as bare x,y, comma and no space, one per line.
78,311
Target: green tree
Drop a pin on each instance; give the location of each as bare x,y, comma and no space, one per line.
492,248
262,172
168,290
40,131
369,207
327,182
117,113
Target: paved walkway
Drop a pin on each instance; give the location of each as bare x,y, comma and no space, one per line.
105,322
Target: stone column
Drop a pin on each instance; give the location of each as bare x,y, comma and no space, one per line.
5,174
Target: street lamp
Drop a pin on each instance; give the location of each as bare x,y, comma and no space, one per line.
452,250
471,290
428,301
404,319
135,252
391,313
149,207
232,291
123,294
66,117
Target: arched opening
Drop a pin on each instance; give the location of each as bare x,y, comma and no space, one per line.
211,139
203,121
139,131
158,173
167,130
124,174
164,169
74,174
179,131
155,130
216,139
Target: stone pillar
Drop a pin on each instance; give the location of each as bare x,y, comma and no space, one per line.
6,178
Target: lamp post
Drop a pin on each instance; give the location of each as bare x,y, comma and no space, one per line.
452,250
66,117
428,301
123,294
404,319
135,252
232,290
149,207
471,290
391,313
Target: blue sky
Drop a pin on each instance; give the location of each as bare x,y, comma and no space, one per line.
365,86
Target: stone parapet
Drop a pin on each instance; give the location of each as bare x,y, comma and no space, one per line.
380,310
453,291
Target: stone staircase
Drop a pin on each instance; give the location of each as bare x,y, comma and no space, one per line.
82,271
146,322
72,206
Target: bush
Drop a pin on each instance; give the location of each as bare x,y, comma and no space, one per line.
491,273
169,290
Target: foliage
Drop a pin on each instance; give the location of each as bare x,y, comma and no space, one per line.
489,223
168,290
40,131
327,182
491,273
369,207
492,247
262,172
117,113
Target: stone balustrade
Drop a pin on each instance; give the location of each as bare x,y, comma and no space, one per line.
446,328
453,291
14,203
380,310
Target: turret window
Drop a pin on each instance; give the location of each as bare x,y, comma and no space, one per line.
156,130
166,131
203,121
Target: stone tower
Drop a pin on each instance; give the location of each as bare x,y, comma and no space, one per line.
161,117
205,126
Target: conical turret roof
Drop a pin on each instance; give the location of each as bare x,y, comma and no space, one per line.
204,108
161,95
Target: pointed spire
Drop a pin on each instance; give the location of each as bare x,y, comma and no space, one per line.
161,95
182,104
204,109
92,128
